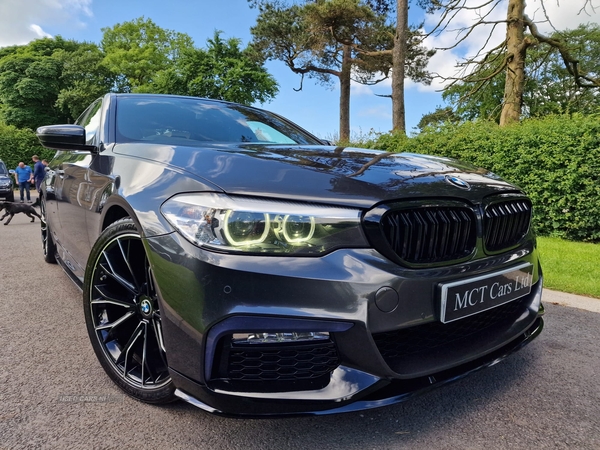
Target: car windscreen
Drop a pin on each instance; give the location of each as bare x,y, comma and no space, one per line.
190,121
3,170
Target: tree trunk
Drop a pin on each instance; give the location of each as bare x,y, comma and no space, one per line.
398,61
515,71
345,94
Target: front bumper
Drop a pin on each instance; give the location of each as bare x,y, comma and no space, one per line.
207,297
5,191
375,393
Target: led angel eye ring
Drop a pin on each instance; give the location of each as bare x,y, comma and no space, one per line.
235,242
293,239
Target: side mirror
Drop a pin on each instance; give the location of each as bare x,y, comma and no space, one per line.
64,137
11,171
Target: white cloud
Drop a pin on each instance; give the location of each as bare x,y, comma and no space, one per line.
360,89
38,31
22,21
567,14
378,112
564,14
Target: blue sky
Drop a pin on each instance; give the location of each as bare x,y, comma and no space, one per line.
315,108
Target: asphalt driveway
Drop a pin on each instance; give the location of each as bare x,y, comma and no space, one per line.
54,394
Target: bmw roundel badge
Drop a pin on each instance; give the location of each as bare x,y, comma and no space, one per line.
455,181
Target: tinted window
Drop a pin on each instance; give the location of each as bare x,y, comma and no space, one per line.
90,120
183,121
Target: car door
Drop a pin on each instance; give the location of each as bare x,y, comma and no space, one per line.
74,193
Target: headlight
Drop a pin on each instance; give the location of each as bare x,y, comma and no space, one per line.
248,225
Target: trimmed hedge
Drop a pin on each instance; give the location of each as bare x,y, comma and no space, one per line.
18,144
556,160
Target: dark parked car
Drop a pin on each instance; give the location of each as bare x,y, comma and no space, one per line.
230,258
6,184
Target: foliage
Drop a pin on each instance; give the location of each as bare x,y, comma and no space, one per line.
20,145
30,83
53,80
508,58
554,90
570,266
137,50
309,38
221,71
85,78
329,39
556,160
50,81
316,39
437,118
351,23
549,88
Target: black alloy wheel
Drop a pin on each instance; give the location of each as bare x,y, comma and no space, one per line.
48,245
123,316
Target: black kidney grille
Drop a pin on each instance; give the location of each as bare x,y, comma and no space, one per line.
506,223
282,362
430,234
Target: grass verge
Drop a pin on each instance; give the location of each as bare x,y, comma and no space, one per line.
572,267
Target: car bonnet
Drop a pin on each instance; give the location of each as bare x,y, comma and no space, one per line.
336,175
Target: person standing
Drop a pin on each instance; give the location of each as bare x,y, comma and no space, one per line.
23,177
39,172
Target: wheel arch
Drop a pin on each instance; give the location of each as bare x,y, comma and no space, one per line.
114,213
117,208
145,214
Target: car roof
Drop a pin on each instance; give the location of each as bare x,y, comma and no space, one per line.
204,99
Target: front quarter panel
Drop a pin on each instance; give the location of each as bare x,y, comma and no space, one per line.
139,187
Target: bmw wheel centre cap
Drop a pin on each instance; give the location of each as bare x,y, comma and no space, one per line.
146,307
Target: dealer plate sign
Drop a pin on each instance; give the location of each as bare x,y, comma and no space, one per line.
471,296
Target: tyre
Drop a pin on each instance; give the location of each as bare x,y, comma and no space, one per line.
11,197
123,317
48,245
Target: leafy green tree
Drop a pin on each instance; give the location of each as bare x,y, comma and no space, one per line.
20,145
549,87
343,39
484,102
7,51
221,71
509,57
438,118
29,86
321,40
53,80
49,46
50,80
139,49
84,77
401,56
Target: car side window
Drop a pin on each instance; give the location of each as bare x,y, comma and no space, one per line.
90,120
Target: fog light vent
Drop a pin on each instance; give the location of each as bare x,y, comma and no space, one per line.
274,338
